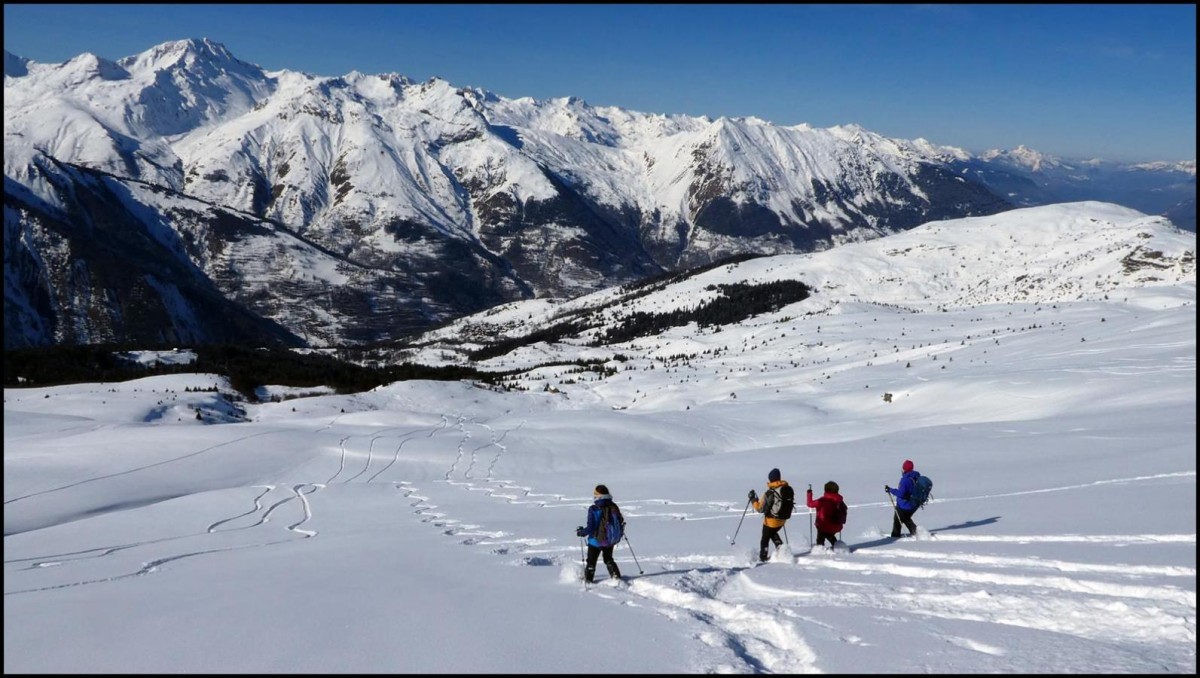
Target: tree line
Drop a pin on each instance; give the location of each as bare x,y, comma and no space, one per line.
247,368
737,302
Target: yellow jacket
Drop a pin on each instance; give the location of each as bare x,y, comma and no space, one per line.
758,505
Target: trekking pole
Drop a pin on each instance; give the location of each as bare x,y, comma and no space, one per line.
635,560
739,527
895,512
810,521
583,561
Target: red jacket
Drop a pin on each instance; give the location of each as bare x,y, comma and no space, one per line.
827,511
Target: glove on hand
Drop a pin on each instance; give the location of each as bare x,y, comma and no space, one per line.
581,532
886,488
752,496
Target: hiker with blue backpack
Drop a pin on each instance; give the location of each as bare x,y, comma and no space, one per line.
906,503
605,527
776,506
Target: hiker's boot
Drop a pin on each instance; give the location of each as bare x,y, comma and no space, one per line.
589,574
762,556
613,572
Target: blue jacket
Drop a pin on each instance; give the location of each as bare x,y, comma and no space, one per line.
593,522
908,482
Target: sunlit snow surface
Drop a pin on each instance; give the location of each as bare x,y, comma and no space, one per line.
429,526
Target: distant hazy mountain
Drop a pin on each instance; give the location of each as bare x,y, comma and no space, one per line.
182,195
1026,177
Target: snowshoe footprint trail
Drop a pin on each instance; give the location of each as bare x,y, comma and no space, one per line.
754,618
762,641
751,618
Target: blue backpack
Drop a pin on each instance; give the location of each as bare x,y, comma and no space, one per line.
610,526
922,490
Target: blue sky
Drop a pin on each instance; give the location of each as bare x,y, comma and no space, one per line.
1110,81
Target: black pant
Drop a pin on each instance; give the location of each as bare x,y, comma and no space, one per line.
822,536
770,534
903,516
589,572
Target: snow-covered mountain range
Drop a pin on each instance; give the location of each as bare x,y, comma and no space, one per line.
1029,178
183,195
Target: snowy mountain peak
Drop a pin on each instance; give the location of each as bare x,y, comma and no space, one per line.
934,150
189,53
848,129
1029,157
1024,156
571,102
88,66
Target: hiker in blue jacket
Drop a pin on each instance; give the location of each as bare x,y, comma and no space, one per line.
904,508
605,527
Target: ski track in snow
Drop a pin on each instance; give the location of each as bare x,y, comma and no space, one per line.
743,623
294,493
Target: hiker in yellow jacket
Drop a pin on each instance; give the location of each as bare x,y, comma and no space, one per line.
770,506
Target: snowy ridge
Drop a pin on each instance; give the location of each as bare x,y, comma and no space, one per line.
466,199
1042,255
183,101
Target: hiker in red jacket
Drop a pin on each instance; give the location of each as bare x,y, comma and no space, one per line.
831,513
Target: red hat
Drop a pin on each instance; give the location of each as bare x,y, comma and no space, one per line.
908,465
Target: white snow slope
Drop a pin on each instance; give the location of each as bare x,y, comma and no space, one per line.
428,527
